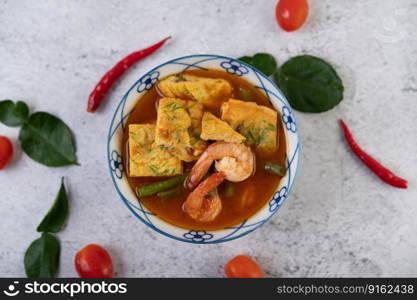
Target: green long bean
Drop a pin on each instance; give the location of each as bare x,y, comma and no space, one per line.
154,188
274,168
246,94
229,189
176,191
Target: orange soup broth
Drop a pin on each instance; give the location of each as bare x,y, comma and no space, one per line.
250,195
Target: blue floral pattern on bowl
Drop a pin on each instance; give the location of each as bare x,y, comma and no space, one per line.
198,236
116,164
278,198
148,81
234,67
288,119
201,62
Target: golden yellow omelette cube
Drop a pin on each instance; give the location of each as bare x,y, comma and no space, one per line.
178,127
191,152
208,91
148,159
174,86
257,123
215,129
195,110
172,123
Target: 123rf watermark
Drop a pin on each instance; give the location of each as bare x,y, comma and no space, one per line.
65,288
365,289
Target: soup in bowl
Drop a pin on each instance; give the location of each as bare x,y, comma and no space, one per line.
203,148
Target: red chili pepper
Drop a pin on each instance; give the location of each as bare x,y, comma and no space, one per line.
382,172
100,90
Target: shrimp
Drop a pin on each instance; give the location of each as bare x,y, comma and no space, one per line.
201,204
236,161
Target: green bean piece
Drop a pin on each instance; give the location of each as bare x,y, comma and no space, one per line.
229,189
246,94
176,191
153,188
213,192
274,168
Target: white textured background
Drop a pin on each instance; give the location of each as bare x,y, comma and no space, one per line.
340,219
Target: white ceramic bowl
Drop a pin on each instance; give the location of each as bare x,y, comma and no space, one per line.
178,65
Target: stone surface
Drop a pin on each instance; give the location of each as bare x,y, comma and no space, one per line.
340,220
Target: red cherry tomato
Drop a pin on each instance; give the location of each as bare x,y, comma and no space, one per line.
93,261
6,151
242,266
291,14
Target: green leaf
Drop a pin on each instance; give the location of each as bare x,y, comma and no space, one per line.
57,214
264,62
310,84
42,257
12,114
246,59
48,140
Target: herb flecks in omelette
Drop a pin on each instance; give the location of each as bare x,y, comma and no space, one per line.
219,130
208,91
148,159
178,127
256,122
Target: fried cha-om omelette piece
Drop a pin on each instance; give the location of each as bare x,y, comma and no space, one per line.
148,159
172,123
257,123
215,129
178,127
195,110
208,91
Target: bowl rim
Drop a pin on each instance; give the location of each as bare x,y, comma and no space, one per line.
168,234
